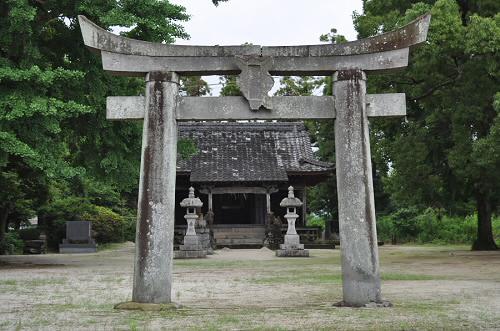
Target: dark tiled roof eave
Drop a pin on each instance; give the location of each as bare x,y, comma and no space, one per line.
248,152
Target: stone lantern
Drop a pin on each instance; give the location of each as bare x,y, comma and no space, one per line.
192,247
292,245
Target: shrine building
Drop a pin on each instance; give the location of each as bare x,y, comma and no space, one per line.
241,172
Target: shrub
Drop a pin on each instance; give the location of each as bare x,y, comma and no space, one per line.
11,244
31,233
107,225
53,217
434,228
385,229
496,229
430,226
130,226
399,226
317,221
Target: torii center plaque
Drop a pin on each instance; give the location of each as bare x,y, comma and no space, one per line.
162,107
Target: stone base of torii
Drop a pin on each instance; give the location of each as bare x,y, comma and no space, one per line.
162,107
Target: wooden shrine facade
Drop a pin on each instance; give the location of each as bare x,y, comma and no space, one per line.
243,170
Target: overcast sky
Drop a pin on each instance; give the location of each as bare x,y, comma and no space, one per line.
266,22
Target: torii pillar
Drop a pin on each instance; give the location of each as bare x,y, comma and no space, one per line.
358,231
156,205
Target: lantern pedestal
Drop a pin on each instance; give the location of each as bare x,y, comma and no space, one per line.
292,253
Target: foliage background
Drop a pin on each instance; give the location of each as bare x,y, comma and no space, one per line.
436,172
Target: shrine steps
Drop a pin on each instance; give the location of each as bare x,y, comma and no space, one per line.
239,235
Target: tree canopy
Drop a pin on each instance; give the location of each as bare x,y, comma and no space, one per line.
55,141
446,154
54,138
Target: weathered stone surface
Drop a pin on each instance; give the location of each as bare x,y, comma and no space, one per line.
191,247
156,206
292,241
190,254
326,65
77,248
130,305
359,251
254,80
78,231
236,108
137,65
97,38
382,304
125,108
78,238
291,246
291,201
410,35
191,240
292,253
205,237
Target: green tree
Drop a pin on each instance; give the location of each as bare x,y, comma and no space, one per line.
296,86
216,2
447,153
194,86
53,132
229,86
322,199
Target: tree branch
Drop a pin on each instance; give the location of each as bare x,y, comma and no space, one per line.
437,87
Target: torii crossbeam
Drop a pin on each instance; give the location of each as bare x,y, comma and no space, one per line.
162,107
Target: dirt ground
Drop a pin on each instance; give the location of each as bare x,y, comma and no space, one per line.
432,288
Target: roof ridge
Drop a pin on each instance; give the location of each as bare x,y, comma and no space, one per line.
295,123
316,162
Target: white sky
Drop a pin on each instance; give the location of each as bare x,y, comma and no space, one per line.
266,22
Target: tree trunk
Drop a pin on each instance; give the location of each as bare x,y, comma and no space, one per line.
4,214
484,241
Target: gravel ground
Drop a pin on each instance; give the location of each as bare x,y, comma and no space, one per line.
432,288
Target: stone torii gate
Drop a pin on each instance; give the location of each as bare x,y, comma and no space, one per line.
162,107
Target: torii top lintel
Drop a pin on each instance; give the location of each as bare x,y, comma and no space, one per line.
127,56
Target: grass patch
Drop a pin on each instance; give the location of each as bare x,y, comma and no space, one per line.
44,281
8,282
109,246
398,276
64,307
334,278
33,282
301,278
277,262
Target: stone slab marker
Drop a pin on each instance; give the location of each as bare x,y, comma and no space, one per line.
358,236
156,205
78,238
162,107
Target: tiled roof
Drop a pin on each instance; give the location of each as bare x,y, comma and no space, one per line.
235,152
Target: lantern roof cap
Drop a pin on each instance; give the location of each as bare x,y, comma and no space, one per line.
191,201
291,200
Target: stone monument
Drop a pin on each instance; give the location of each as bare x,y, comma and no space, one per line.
78,238
292,246
162,107
192,247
